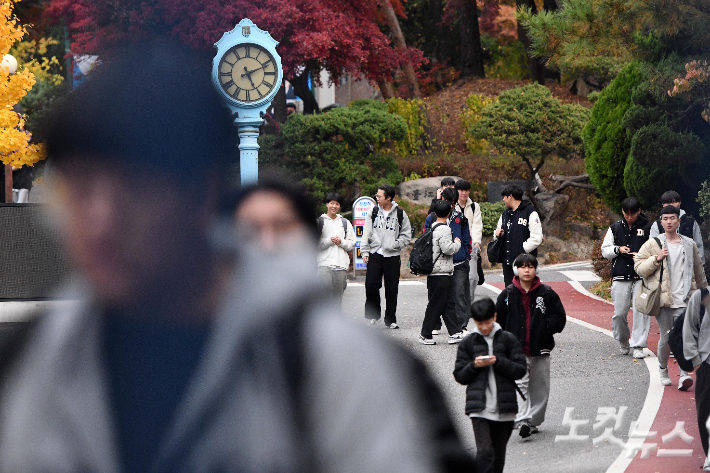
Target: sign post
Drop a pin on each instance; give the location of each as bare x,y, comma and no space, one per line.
360,209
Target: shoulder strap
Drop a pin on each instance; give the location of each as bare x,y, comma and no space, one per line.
703,295
345,225
375,211
400,215
658,242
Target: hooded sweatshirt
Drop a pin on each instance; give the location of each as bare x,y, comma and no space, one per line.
332,255
385,236
526,307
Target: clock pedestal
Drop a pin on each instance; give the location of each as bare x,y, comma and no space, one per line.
248,149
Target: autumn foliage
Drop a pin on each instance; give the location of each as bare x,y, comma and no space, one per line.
336,35
15,146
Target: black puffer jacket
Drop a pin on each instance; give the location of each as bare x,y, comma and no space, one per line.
547,315
510,365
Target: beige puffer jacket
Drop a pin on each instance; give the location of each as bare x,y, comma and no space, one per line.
648,267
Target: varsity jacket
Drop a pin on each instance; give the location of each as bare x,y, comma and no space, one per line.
620,234
385,233
648,268
688,227
510,365
547,315
523,231
459,229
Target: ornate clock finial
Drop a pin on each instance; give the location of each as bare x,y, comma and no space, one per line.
247,73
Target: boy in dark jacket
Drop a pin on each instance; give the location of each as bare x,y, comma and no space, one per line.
532,312
488,362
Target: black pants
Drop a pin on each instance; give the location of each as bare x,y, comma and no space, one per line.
377,267
442,303
491,443
702,402
508,274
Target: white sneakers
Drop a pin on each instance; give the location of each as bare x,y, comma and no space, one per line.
639,354
426,341
435,332
685,382
665,379
455,338
625,349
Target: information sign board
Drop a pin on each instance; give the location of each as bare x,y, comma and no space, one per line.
360,209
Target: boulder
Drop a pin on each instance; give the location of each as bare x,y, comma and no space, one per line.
421,191
496,187
552,208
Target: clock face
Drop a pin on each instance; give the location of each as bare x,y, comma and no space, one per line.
247,73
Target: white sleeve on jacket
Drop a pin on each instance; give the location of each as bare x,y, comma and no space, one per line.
498,227
476,225
609,245
654,230
348,243
698,238
535,227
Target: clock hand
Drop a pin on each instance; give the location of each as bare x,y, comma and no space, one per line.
248,74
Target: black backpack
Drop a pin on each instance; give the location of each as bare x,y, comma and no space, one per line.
675,339
421,260
321,222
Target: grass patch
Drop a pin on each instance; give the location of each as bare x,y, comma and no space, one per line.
602,289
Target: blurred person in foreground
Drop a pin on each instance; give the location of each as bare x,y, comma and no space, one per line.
185,353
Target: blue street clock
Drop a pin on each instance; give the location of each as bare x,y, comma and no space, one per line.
247,73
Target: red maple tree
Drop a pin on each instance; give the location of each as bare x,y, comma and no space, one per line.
339,36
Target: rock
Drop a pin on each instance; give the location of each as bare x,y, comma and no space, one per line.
421,191
582,229
496,187
552,208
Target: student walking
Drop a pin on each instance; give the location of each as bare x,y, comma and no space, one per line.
442,301
621,243
533,312
678,261
688,226
337,237
488,362
472,211
387,231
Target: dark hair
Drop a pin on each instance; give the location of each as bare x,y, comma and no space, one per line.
462,185
441,208
482,310
291,105
448,181
151,106
276,180
631,205
389,190
450,195
525,259
513,190
334,196
670,197
670,209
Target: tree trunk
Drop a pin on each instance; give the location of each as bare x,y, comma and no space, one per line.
300,88
471,49
442,48
385,89
279,105
534,64
409,76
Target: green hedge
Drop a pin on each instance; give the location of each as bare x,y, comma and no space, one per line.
490,212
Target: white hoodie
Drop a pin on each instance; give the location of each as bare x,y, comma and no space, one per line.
330,254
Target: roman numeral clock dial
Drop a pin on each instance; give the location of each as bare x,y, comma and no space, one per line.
247,73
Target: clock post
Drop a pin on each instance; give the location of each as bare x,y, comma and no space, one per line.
247,72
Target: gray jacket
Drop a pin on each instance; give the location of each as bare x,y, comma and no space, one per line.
696,337
444,249
385,233
236,414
